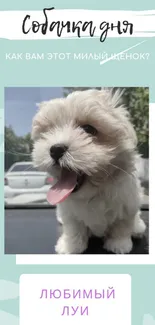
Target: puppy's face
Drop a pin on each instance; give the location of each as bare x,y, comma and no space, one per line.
77,137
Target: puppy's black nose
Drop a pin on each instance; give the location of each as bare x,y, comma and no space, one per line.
57,151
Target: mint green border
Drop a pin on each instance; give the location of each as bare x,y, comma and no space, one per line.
71,73
80,4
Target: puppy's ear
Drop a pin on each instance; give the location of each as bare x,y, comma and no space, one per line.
114,96
38,124
120,112
124,116
117,97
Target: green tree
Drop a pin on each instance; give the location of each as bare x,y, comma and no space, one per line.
137,101
16,148
28,141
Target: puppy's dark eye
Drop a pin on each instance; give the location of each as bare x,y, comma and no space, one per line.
89,129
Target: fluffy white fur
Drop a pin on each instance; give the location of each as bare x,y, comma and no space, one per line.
108,203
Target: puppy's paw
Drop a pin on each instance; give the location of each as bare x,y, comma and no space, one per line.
139,228
119,245
67,245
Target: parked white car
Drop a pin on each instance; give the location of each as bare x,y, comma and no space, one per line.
24,178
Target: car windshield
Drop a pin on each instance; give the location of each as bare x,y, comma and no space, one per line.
23,168
24,184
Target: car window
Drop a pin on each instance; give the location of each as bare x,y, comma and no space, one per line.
23,168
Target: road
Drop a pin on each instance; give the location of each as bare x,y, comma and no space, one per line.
35,231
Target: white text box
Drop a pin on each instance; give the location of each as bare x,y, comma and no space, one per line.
75,299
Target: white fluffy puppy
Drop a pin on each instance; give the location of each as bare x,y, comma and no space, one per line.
87,142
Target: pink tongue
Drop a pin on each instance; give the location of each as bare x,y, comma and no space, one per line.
61,190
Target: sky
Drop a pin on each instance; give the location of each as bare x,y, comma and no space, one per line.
20,105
